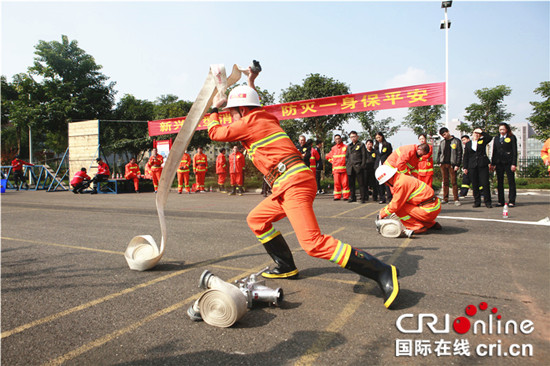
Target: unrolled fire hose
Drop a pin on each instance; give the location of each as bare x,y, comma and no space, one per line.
142,252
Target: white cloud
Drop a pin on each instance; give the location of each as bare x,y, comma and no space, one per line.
412,76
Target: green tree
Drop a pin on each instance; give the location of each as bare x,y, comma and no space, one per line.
540,118
315,86
489,112
73,88
127,132
424,119
371,126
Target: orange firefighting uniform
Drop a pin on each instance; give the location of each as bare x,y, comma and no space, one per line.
313,160
155,163
221,168
337,157
293,191
236,166
414,202
132,172
200,165
545,153
183,173
403,159
425,168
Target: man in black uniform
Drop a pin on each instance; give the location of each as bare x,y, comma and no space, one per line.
369,178
356,160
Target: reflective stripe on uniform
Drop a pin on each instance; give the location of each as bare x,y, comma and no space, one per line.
266,141
436,207
289,173
341,254
270,234
417,191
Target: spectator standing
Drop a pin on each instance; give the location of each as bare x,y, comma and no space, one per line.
337,157
370,179
183,173
80,181
505,160
132,172
356,161
236,167
155,164
545,154
200,166
383,150
476,163
425,167
466,181
449,158
17,170
221,170
319,166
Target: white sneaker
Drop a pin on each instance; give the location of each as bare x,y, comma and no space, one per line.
457,203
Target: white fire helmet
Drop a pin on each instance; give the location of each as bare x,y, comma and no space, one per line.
243,96
384,173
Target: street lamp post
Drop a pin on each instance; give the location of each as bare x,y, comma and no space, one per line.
446,24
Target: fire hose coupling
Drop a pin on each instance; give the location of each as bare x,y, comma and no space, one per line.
222,304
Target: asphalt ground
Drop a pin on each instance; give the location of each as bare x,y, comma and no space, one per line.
69,297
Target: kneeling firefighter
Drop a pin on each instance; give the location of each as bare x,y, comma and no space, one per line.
294,189
413,201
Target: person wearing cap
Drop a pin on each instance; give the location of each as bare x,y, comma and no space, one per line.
294,190
102,175
17,170
476,164
413,201
80,181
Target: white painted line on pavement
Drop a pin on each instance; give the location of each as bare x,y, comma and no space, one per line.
542,222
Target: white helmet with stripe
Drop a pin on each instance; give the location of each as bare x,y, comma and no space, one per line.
384,173
243,96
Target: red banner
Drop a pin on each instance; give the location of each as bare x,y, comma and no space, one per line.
405,97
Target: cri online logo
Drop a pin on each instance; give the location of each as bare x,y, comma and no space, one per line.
463,325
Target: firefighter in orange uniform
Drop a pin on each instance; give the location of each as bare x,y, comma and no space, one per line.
294,189
405,158
337,157
545,154
413,201
155,164
200,166
132,172
236,167
183,173
425,168
221,170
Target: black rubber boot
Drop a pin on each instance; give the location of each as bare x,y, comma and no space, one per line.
234,191
278,249
385,275
240,190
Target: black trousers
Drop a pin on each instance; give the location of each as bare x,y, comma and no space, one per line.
480,179
99,178
466,181
501,169
318,179
370,182
18,177
351,181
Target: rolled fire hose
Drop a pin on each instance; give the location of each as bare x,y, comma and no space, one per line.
392,227
142,252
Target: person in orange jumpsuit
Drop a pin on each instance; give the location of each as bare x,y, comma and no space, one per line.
236,167
337,157
200,166
294,190
132,172
425,168
221,170
413,201
183,173
545,154
17,170
405,158
155,164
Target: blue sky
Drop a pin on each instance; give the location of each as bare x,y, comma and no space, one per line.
155,48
